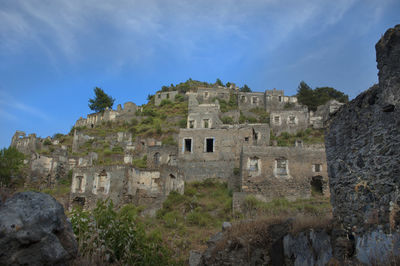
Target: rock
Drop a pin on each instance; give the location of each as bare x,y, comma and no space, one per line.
194,258
226,226
308,248
34,231
363,156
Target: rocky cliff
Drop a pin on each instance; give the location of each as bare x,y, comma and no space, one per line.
363,155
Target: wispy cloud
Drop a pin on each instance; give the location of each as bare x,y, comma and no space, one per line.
12,106
130,31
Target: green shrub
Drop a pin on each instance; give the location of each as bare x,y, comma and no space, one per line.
47,142
169,141
179,98
165,102
117,149
148,121
140,163
182,123
117,237
227,120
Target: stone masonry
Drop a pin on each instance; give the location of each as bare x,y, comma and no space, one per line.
363,154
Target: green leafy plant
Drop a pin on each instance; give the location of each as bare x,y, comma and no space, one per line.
119,237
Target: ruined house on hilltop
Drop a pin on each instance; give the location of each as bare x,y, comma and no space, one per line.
222,139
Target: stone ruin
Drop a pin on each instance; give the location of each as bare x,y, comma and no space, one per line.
241,154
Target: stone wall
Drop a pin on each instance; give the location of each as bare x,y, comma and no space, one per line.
290,121
224,147
363,153
169,95
290,172
26,144
124,184
250,100
121,114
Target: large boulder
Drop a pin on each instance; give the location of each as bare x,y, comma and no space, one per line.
34,231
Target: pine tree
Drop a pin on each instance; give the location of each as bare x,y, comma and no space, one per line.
101,101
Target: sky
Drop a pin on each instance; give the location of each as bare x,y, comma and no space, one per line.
54,52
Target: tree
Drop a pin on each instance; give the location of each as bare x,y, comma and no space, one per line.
219,82
245,88
305,95
314,98
11,162
101,101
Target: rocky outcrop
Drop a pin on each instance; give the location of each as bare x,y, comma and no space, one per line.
34,231
363,155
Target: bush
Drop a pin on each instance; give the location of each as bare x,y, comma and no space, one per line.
140,163
182,123
47,142
179,98
227,120
165,102
117,237
11,163
169,141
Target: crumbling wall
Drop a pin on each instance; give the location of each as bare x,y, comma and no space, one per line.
276,100
202,161
169,95
290,172
26,144
363,153
290,121
250,100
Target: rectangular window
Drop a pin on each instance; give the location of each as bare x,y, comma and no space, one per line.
206,123
280,98
209,145
277,119
187,145
253,164
191,123
281,167
317,168
292,120
255,100
206,94
246,139
167,95
78,184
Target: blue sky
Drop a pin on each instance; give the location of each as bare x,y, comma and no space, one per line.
54,52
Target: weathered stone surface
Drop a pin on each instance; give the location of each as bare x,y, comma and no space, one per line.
307,248
363,154
34,231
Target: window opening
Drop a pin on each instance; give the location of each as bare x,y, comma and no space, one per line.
206,123
277,119
292,120
316,185
191,124
253,166
281,166
102,181
317,168
188,145
210,145
157,157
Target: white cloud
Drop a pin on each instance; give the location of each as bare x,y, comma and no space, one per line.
12,106
130,31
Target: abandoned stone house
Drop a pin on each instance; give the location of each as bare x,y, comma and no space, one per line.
240,154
